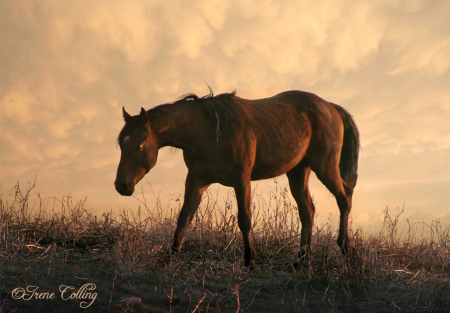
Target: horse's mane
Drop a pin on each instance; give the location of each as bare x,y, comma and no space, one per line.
221,110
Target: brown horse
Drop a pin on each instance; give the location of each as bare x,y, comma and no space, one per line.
229,140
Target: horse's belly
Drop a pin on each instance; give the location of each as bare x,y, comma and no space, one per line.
264,169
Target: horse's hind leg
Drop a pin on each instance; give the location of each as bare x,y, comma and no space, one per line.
298,183
330,176
192,197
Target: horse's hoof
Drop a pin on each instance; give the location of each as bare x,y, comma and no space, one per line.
347,249
250,259
297,264
304,255
173,250
301,263
250,265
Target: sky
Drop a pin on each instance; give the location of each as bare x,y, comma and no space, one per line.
68,67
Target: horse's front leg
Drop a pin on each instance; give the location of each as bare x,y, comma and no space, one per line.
243,197
192,197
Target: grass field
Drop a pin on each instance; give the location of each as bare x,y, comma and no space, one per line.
56,256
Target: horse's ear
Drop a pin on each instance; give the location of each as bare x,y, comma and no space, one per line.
143,116
126,116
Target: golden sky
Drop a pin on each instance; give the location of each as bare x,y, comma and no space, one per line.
67,68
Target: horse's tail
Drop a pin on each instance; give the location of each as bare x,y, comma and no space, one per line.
348,164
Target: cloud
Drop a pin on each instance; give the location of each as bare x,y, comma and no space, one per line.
310,39
60,150
16,104
69,67
361,218
215,11
420,39
59,128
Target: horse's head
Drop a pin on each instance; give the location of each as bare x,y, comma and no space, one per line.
139,151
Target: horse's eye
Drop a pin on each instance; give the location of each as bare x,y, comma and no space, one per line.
140,147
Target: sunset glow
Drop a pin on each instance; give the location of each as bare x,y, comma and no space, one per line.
67,68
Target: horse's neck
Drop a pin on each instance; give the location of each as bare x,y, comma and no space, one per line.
177,125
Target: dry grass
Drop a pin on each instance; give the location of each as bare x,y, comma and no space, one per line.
54,242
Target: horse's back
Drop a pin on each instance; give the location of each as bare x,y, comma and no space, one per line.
290,114
284,127
305,107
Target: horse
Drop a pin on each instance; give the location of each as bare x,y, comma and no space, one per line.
231,141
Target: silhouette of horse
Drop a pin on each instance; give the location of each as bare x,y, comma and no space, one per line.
229,140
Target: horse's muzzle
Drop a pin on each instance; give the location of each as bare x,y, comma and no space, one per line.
124,189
